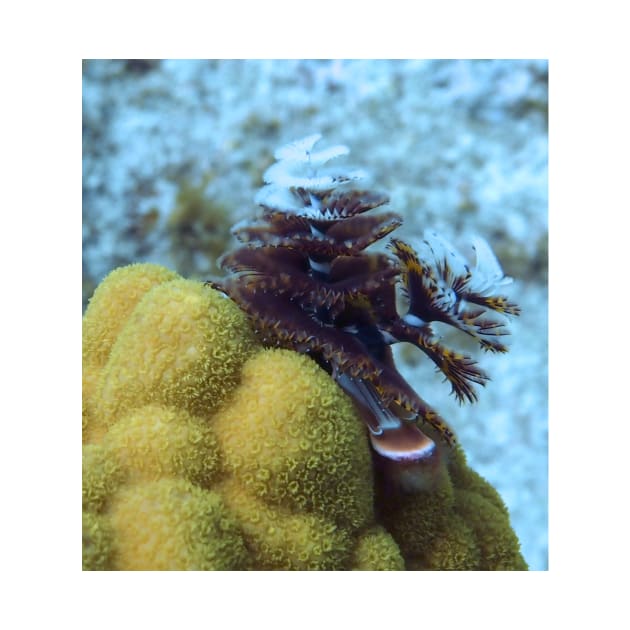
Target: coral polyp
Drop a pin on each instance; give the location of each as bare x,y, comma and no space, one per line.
305,279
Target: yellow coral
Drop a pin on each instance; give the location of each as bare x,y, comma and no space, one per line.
293,439
495,541
461,524
376,550
281,539
182,346
172,524
107,313
453,548
112,303
152,442
204,451
102,475
98,542
416,519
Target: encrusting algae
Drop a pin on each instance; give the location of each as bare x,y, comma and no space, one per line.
202,450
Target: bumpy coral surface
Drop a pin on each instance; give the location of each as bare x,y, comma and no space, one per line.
202,450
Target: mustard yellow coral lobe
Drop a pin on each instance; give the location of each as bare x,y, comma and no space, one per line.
292,438
376,550
172,524
202,450
156,441
182,346
112,303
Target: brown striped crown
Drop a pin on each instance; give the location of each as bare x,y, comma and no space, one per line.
304,277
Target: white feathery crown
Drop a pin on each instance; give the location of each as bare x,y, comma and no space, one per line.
299,167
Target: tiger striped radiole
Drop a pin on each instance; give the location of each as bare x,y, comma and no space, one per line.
304,277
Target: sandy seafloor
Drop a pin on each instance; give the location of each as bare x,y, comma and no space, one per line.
173,152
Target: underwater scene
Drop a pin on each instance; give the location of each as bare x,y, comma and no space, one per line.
315,314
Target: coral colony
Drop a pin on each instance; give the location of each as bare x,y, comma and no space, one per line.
305,280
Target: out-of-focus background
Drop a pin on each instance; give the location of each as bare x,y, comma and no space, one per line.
174,150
